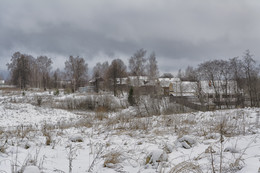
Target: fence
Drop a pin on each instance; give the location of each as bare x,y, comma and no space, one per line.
185,101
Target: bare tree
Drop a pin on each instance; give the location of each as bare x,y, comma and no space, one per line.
116,71
56,78
237,75
251,75
99,74
44,65
19,69
228,77
12,67
77,71
210,71
152,67
35,73
226,83
104,68
137,63
190,74
153,74
180,74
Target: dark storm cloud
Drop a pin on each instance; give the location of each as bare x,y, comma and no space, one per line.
181,32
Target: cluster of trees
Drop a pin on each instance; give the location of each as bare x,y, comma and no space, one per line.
25,70
139,65
244,71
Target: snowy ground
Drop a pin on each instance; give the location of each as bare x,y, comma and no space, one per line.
57,140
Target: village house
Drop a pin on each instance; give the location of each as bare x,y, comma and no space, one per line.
170,86
211,92
217,92
95,85
142,83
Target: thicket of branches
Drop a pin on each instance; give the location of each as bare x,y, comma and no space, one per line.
244,71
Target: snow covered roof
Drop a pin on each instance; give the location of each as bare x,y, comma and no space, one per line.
133,81
165,82
186,88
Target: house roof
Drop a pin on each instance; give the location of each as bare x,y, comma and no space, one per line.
187,88
133,81
165,82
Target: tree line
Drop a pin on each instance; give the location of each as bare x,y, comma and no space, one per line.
26,70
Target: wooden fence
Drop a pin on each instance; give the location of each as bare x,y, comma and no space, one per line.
185,101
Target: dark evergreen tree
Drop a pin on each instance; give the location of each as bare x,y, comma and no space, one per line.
131,99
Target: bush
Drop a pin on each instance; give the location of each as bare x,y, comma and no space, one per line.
112,158
101,113
39,100
56,92
67,90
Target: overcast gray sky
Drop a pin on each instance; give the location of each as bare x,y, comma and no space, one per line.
180,32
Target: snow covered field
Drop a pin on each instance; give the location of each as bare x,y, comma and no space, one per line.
58,140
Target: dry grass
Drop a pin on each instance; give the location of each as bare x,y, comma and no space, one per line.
84,122
48,138
112,158
101,113
140,124
186,167
10,91
23,131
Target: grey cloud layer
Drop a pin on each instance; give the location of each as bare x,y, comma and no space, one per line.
190,30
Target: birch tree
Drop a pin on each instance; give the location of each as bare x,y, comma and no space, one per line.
251,72
77,71
44,65
152,67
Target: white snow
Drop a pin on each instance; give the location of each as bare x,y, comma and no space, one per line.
186,142
76,138
31,169
15,114
125,140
